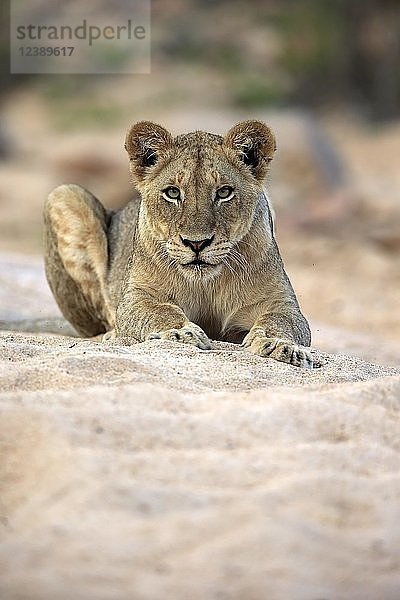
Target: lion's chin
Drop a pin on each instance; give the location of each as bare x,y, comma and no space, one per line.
200,269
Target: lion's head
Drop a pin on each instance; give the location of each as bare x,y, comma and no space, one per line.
199,191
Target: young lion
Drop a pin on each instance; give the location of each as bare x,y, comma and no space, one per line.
194,260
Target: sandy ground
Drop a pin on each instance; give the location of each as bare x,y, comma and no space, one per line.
162,471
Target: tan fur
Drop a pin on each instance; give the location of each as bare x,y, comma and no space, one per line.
132,268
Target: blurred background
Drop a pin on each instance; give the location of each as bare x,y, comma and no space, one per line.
323,73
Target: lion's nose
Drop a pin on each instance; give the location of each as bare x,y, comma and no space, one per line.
197,245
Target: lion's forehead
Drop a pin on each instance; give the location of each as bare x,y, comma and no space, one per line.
191,173
200,139
204,165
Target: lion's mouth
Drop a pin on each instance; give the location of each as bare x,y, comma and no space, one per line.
197,262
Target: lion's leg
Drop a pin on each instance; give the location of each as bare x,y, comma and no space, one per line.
76,258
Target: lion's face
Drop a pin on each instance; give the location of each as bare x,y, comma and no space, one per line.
200,191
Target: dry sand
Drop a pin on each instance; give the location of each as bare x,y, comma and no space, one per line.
161,471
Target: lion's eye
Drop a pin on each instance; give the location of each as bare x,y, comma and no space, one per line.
224,193
172,193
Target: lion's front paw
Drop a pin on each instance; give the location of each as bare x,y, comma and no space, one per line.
188,334
109,335
279,349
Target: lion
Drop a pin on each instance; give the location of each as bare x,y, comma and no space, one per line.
194,260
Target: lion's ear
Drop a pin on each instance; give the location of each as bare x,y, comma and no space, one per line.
145,142
254,144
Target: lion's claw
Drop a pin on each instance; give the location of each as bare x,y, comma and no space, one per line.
188,334
280,349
